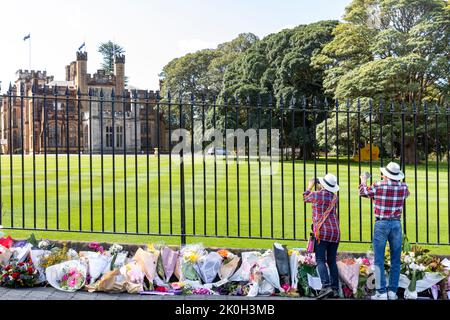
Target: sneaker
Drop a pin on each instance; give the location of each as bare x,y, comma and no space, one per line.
324,293
392,295
379,296
335,294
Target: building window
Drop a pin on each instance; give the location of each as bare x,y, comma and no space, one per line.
109,137
119,136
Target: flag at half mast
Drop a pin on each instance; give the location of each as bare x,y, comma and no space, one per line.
27,37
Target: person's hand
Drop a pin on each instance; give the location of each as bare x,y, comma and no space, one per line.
363,178
311,184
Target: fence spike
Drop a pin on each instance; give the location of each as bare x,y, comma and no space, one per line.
258,100
101,93
292,103
78,93
180,98
67,93
90,93
281,101
33,88
113,94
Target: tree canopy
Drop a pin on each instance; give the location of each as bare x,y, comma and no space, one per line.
108,50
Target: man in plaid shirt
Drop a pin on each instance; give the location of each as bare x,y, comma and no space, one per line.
388,199
326,231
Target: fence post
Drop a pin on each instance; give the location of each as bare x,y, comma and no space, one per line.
182,188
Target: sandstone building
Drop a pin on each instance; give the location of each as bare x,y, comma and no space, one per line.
80,113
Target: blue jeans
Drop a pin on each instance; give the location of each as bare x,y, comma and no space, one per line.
387,231
326,254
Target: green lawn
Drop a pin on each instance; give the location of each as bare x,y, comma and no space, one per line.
254,223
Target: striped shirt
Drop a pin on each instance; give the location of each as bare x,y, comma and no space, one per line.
388,197
329,231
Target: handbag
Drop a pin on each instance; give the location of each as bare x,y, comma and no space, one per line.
315,234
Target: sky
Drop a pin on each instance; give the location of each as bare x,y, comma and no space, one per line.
152,32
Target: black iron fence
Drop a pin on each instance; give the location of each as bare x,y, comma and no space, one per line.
105,163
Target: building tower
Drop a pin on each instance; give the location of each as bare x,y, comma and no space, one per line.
81,72
119,72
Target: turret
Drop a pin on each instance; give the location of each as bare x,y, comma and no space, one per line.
81,72
119,72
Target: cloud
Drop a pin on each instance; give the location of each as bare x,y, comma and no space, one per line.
192,45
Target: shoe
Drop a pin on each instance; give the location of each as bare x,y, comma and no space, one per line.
335,294
379,296
324,293
392,295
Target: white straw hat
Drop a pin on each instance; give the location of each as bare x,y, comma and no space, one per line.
393,172
329,182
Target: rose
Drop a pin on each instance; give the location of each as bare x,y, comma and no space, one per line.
16,275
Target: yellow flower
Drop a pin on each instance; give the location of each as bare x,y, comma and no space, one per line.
290,252
193,257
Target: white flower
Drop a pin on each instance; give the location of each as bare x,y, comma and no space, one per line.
407,259
43,244
115,248
412,254
421,267
414,266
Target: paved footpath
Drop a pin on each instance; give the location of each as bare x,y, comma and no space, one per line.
49,293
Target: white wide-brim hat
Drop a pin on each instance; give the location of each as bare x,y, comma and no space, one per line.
393,172
329,182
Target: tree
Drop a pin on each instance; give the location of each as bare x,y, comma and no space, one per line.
280,65
391,50
108,50
201,72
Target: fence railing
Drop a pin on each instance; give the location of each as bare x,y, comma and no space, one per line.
135,163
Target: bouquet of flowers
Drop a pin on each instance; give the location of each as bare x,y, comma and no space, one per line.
208,266
67,276
349,270
365,286
191,255
117,257
307,266
73,279
229,264
57,256
147,261
6,242
414,270
134,277
18,275
5,255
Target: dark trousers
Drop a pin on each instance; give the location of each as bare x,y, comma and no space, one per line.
326,254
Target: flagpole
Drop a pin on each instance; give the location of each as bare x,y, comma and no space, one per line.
29,53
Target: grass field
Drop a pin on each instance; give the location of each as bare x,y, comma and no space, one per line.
285,218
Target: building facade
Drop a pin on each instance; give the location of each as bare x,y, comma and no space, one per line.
83,113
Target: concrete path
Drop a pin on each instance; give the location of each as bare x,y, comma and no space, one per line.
49,293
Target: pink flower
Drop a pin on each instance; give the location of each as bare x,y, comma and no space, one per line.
73,283
65,277
286,287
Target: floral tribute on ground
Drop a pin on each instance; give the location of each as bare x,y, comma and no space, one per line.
157,269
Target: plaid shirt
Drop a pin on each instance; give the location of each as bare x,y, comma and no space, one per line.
389,197
321,200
